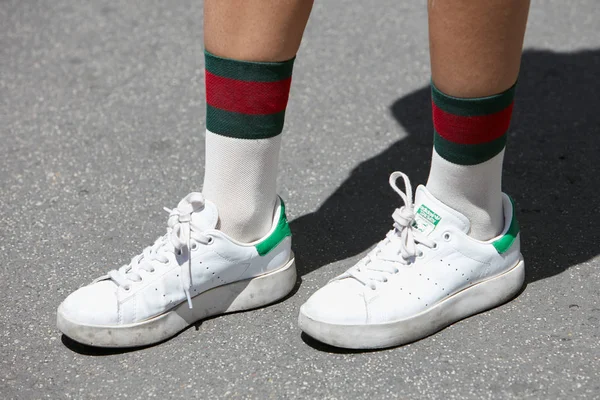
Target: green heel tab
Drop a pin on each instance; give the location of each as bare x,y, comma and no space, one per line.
282,230
503,244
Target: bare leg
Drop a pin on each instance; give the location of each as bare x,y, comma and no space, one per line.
255,30
475,46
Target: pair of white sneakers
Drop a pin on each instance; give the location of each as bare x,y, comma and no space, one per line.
426,274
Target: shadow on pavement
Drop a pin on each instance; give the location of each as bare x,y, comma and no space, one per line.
552,170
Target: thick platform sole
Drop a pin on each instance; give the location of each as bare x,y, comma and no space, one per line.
472,300
237,296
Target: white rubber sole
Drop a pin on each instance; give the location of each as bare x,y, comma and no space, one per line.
237,296
472,300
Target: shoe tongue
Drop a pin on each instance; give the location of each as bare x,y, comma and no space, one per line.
207,217
431,214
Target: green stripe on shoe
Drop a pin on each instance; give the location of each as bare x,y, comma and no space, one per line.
467,154
503,244
472,107
243,126
248,70
282,230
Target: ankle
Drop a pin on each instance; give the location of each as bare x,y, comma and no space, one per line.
485,213
485,223
246,221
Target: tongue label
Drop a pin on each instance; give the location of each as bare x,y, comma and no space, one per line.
426,219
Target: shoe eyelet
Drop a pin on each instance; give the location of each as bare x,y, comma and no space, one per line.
385,280
194,246
435,246
447,236
211,240
178,252
153,270
420,254
396,270
127,288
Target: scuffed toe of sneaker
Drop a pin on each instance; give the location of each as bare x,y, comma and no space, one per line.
341,302
96,304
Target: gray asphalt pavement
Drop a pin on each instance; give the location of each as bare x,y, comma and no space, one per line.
101,125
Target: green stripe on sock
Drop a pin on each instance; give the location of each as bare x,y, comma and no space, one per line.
467,154
472,107
243,126
248,71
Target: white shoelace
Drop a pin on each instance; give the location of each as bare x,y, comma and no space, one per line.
180,237
404,237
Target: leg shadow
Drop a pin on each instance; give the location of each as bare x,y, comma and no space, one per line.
551,169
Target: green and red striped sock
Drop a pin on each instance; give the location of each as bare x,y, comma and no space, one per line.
466,168
470,131
246,100
245,110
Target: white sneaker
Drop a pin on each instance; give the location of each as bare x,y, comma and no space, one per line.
145,302
426,274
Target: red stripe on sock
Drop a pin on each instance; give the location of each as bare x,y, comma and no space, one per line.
246,97
471,130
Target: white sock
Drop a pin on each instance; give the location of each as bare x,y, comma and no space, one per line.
473,190
241,179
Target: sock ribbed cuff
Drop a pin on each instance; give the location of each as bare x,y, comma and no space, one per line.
470,131
246,100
